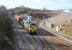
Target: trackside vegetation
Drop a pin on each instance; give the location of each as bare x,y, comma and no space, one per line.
5,31
5,26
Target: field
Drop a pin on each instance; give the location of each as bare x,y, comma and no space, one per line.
67,30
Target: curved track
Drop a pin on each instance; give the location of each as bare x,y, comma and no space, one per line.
49,42
25,41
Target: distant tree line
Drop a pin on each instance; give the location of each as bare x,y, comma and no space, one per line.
26,10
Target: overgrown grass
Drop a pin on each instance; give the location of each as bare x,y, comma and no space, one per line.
67,29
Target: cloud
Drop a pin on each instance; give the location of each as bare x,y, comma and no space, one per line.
63,1
27,3
38,3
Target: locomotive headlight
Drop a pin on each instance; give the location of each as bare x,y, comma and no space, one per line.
29,28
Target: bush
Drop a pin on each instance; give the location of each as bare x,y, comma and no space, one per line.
5,26
5,31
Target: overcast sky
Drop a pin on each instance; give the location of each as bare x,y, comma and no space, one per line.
38,4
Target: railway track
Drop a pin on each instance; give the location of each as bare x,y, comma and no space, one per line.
25,41
50,43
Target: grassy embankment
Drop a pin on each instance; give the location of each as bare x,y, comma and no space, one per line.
67,30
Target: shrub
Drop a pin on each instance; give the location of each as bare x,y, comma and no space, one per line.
5,26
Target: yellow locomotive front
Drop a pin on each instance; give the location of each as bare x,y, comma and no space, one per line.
33,28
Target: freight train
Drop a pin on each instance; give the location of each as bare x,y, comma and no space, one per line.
30,25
